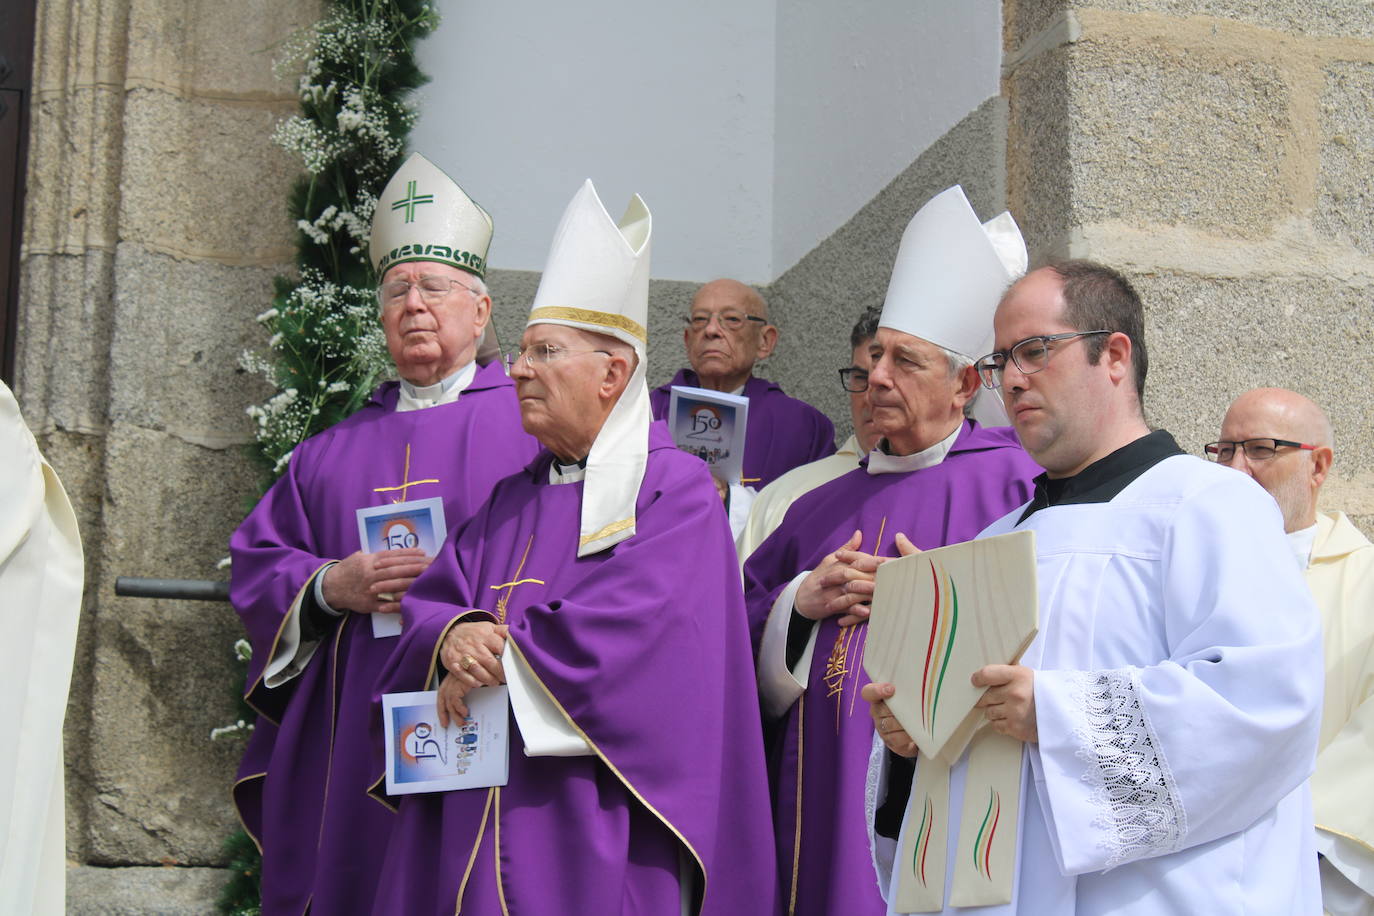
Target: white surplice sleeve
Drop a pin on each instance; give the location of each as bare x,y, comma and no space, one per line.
1141,760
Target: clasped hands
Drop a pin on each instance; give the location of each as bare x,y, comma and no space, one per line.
471,654
842,583
1008,704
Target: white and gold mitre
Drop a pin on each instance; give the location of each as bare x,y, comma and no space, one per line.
597,275
950,273
597,279
423,215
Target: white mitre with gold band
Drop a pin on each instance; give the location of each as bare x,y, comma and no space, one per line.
423,215
950,273
597,279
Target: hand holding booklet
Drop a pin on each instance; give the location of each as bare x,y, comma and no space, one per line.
422,756
414,523
710,425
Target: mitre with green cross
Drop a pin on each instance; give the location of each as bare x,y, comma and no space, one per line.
423,215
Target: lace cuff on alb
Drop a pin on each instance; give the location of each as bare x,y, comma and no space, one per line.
1139,811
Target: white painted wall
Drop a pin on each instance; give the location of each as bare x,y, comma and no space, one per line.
862,90
753,128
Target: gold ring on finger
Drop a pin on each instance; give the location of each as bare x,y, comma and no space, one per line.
466,662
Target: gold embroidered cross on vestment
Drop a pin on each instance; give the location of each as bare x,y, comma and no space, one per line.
406,483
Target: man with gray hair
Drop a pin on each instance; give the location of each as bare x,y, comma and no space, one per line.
935,478
1284,441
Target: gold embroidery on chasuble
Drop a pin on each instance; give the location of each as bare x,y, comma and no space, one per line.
847,653
503,602
406,483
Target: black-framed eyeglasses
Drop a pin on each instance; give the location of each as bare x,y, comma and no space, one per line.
432,290
542,355
1031,355
730,321
854,380
1259,449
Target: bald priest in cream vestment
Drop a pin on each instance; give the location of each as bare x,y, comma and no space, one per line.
1285,442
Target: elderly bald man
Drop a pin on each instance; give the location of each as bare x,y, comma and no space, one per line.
727,333
1284,441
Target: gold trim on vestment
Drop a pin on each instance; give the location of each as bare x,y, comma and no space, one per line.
504,601
333,727
512,585
377,792
472,857
606,532
234,797
496,845
705,878
590,316
1341,833
796,833
248,693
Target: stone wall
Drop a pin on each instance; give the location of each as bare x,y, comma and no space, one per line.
1219,152
155,221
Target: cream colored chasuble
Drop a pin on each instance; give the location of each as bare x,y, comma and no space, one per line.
1340,573
40,600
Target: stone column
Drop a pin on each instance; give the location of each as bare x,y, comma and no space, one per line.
1219,153
155,221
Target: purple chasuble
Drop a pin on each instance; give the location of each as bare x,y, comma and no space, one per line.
645,647
302,786
783,432
827,735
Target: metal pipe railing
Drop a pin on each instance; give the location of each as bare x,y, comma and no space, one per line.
181,589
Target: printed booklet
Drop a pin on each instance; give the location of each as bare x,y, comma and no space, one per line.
710,425
421,756
415,523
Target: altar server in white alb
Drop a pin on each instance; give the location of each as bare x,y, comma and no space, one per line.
1286,443
40,601
1170,704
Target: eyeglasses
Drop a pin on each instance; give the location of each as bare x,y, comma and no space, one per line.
432,290
1031,355
1261,449
542,355
729,321
854,379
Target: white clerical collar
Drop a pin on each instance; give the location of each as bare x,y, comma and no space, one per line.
879,462
444,391
1300,542
566,473
739,392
